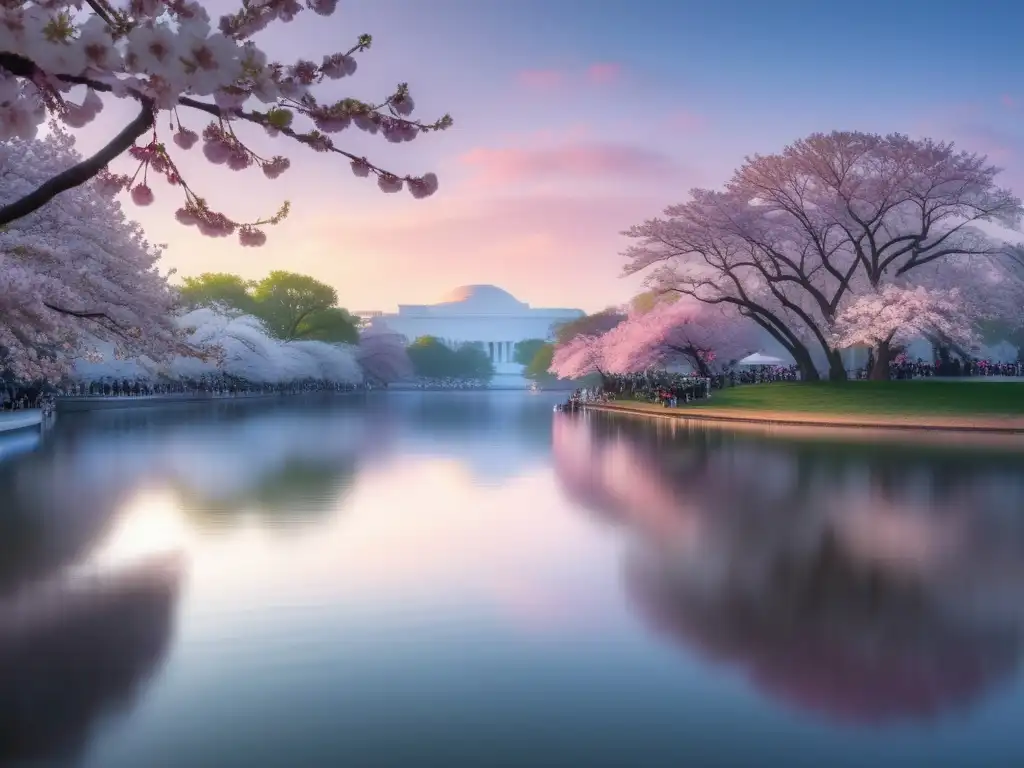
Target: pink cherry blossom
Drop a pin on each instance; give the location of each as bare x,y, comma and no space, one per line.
795,237
165,55
707,338
382,354
185,138
74,272
579,357
142,195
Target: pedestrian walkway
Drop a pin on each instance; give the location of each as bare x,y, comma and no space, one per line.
14,420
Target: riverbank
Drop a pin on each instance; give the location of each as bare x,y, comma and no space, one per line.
996,407
14,421
83,403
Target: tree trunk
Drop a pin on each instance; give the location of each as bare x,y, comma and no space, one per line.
836,368
802,358
880,367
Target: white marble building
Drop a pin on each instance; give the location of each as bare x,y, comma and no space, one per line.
483,314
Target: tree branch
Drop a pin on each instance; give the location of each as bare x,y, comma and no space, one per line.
80,173
74,313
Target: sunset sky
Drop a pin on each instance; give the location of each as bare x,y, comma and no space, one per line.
576,118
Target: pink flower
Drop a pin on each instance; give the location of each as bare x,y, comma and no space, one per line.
142,195
389,183
276,167
424,186
251,237
185,138
217,152
361,168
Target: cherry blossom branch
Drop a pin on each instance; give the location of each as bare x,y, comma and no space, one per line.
83,171
79,314
156,53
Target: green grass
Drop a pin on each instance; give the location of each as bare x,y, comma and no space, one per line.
950,398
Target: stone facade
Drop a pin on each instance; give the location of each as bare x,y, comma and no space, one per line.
482,314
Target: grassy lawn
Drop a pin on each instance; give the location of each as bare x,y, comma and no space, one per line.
876,397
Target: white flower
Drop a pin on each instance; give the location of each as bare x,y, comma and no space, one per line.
98,46
152,49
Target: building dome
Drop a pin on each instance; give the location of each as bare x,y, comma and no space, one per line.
490,297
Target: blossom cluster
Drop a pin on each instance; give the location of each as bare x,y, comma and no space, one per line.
686,332
75,272
168,55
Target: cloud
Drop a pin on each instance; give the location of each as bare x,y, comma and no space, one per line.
604,73
598,73
504,166
541,79
550,249
1008,101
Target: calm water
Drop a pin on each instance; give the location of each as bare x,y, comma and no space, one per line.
468,579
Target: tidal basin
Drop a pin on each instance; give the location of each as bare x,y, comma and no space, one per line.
469,579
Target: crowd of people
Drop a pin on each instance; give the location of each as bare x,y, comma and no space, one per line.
661,387
902,367
424,382
17,396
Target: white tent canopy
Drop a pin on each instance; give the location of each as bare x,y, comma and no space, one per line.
758,359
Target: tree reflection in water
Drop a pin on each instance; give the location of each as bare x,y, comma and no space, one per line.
72,651
863,582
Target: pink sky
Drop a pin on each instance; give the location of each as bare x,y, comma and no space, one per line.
555,150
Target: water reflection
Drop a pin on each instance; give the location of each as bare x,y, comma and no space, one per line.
863,583
73,650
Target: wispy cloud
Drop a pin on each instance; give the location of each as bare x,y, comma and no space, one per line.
603,73
598,73
503,166
541,79
687,122
1008,101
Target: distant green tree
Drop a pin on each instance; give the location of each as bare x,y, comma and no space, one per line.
597,323
292,306
218,288
526,350
537,367
298,306
431,358
470,361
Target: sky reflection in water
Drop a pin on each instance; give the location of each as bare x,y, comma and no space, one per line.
466,579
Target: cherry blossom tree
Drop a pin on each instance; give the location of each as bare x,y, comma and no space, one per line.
708,338
64,58
247,350
382,354
236,345
796,236
578,357
74,273
895,316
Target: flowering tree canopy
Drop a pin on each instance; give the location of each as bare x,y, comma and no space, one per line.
707,338
578,357
235,345
250,352
796,236
895,316
167,57
74,272
382,354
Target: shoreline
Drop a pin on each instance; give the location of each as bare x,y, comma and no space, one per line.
1005,425
16,421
